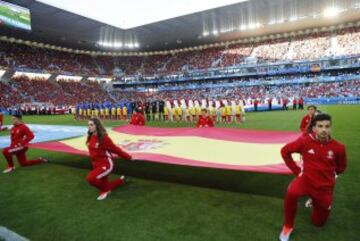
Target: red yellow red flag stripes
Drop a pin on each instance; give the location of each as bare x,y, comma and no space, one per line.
248,150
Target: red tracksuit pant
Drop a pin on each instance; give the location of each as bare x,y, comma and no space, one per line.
99,177
19,152
322,200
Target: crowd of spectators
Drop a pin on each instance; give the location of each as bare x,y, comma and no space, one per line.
315,47
307,47
22,89
42,59
347,42
10,96
273,51
260,92
77,92
37,89
69,93
235,55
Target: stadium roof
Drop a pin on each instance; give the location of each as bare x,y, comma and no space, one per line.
135,13
242,19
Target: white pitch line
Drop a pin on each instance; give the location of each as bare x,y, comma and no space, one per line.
9,235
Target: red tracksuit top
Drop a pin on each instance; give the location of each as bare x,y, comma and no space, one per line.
137,120
21,135
305,122
1,119
205,122
321,160
100,153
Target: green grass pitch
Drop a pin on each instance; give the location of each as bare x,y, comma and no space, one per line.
53,202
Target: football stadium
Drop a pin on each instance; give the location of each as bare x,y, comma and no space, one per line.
179,120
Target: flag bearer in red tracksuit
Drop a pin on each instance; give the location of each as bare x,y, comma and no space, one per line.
205,120
305,122
20,136
323,159
100,148
137,119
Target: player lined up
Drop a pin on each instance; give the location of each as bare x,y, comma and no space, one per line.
219,111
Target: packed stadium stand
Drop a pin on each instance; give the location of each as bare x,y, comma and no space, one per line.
136,72
308,47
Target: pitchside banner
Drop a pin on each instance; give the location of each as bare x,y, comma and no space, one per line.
235,149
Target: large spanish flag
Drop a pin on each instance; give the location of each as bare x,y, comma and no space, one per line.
235,149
